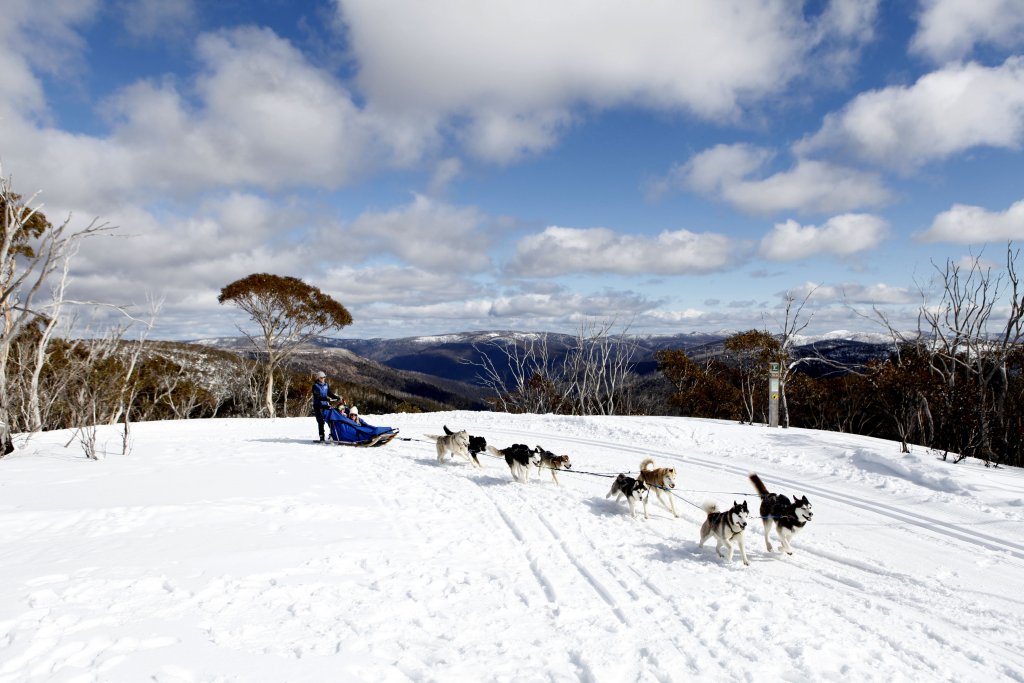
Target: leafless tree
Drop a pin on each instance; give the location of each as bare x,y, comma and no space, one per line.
128,387
31,249
598,369
590,376
791,325
520,371
42,346
90,397
977,323
178,392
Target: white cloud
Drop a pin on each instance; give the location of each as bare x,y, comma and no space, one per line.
38,35
853,19
840,236
262,116
427,233
944,113
445,171
188,257
878,293
45,32
952,29
973,224
514,68
559,251
725,171
688,315
714,170
397,285
811,186
504,138
843,29
156,19
557,310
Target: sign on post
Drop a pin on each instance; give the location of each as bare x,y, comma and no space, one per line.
774,376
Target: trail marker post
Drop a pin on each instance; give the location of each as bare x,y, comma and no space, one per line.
774,374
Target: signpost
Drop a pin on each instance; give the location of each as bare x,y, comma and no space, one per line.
774,374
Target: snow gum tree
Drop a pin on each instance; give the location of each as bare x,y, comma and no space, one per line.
288,313
751,351
31,249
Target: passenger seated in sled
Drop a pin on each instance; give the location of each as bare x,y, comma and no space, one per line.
356,433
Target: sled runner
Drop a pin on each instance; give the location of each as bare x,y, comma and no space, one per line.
345,432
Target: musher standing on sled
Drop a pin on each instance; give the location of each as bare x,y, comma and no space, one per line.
322,397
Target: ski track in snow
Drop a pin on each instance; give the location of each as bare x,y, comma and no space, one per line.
940,528
383,565
851,576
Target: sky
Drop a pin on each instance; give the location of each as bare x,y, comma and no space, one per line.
239,550
522,164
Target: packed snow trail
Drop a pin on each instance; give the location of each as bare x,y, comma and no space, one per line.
228,550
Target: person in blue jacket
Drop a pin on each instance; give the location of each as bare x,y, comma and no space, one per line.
322,397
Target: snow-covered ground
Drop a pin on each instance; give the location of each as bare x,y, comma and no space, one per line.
238,550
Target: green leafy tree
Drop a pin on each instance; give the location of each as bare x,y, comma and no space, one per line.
288,312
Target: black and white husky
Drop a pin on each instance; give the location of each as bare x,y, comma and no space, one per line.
519,458
788,517
726,527
456,443
633,490
477,445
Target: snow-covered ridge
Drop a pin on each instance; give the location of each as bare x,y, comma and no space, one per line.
843,335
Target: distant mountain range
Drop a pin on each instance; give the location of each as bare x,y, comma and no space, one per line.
446,369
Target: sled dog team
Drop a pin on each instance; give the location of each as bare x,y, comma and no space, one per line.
777,511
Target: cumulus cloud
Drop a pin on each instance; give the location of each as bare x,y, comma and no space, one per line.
149,19
973,224
426,233
507,137
43,36
558,251
879,293
944,113
514,68
713,170
842,30
689,315
445,171
258,114
220,240
405,286
952,29
725,172
843,235
184,257
558,309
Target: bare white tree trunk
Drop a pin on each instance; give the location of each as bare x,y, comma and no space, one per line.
973,339
27,260
790,326
598,368
42,348
592,378
530,369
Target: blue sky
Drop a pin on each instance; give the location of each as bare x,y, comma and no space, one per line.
457,165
